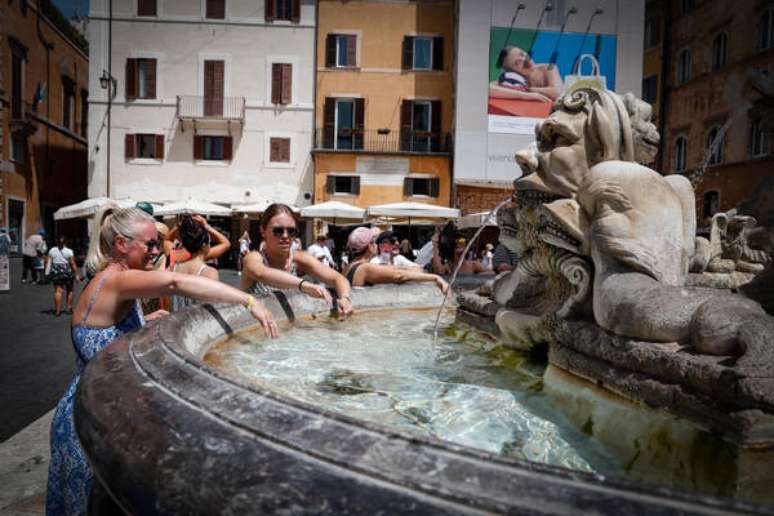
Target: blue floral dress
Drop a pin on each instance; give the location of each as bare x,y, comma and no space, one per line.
69,476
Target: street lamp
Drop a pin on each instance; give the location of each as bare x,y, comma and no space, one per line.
108,82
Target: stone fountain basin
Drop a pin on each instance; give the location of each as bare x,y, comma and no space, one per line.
167,433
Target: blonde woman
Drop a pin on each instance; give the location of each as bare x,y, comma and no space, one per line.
123,247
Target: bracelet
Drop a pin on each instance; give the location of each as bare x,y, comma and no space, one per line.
250,302
300,284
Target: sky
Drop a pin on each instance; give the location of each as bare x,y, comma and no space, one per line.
70,7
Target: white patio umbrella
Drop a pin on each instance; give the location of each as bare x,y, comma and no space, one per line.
334,212
476,220
259,207
412,210
192,206
88,207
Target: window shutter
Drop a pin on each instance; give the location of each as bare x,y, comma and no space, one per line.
408,187
351,50
435,187
269,12
216,9
405,125
146,8
131,79
150,80
330,184
198,147
285,150
129,146
276,83
287,78
408,52
274,150
438,53
159,147
359,123
330,51
356,185
329,122
228,144
295,15
435,125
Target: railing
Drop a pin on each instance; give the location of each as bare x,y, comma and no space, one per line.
381,140
199,107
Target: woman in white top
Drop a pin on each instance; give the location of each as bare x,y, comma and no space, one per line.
64,273
195,234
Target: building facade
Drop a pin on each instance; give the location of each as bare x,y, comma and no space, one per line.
566,41
43,116
205,99
715,129
384,101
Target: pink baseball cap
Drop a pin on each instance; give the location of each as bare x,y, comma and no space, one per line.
361,237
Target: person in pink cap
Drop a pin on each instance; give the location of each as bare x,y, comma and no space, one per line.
361,273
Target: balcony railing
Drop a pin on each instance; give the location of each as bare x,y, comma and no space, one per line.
380,140
208,108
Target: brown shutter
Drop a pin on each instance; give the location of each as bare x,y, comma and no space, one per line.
129,146
150,80
356,185
435,187
359,123
198,147
351,50
285,150
274,149
330,184
159,147
287,82
405,125
435,125
408,52
295,15
216,9
146,7
269,10
213,88
329,122
438,53
330,51
408,187
131,79
228,148
276,83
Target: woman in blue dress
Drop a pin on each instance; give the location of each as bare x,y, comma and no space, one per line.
121,255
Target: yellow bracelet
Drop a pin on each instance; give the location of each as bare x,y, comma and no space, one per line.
250,302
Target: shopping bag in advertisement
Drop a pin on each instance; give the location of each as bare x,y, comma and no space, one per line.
576,80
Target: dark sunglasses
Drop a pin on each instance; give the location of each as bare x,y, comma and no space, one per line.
150,244
279,231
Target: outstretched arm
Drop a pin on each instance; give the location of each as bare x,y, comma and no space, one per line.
327,275
258,271
389,274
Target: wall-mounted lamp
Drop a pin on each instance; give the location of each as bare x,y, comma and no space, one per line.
108,82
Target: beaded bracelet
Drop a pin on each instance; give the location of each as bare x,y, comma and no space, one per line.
301,284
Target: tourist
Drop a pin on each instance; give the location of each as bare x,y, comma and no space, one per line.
63,274
123,246
468,265
361,272
33,251
389,252
276,264
196,235
220,246
486,259
503,259
244,248
407,251
320,249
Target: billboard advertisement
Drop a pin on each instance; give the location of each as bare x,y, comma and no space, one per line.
529,69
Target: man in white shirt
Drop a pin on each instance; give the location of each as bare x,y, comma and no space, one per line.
33,252
389,252
320,251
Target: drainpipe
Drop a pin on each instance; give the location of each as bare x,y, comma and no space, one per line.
666,59
48,46
110,92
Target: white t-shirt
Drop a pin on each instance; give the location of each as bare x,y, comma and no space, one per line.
244,246
398,260
320,251
60,256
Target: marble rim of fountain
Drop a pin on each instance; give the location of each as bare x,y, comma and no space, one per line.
166,432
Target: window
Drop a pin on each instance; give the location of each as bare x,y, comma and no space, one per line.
759,141
766,30
18,148
340,50
18,62
214,85
84,113
711,203
713,148
343,185
140,79
684,67
215,9
68,102
422,53
279,150
343,124
420,125
679,160
213,148
650,89
144,146
146,8
652,31
281,82
289,10
719,51
424,186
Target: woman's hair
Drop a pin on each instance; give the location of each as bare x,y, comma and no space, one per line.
110,222
273,210
61,241
193,235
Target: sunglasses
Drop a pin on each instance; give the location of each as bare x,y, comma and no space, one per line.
150,244
279,231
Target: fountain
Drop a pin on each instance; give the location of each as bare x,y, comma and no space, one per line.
196,413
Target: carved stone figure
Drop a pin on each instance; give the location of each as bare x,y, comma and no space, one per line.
730,246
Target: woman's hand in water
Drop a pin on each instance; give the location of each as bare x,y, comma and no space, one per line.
318,291
345,306
441,284
261,314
